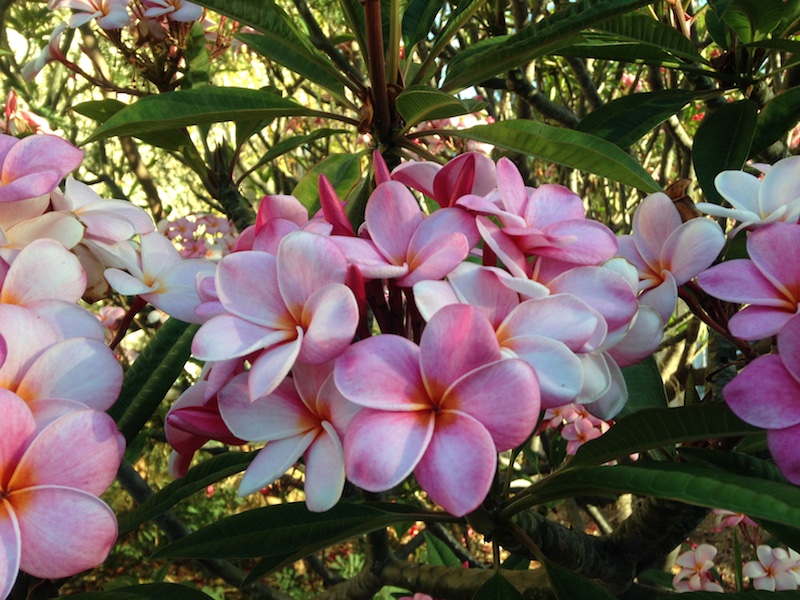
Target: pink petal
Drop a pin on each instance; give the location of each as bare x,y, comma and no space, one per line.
562,317
431,296
459,464
402,438
158,254
483,287
765,394
273,460
692,248
43,270
177,295
324,470
511,187
418,175
457,340
578,241
740,189
228,336
330,317
68,319
78,524
607,405
789,347
504,247
550,203
441,224
306,263
273,365
558,370
63,227
366,256
662,298
436,260
10,549
53,457
309,380
78,369
247,285
653,222
36,165
26,335
740,281
780,186
502,396
641,340
775,250
333,208
596,377
18,425
392,217
783,445
125,284
758,322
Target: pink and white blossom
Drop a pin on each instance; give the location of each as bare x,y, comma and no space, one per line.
774,570
694,574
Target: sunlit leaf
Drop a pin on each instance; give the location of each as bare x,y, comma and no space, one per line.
655,427
343,171
563,146
418,19
723,142
198,66
646,29
422,103
291,143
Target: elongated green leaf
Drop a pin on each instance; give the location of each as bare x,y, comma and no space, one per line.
481,62
654,427
497,588
723,142
645,387
343,171
564,146
102,110
569,585
418,19
280,44
625,120
780,115
152,375
288,144
684,482
152,591
422,103
753,19
275,531
198,478
203,105
647,30
606,47
735,462
439,553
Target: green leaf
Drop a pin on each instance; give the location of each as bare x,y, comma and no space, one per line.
203,105
564,146
422,103
152,375
198,478
780,115
102,110
152,591
497,588
275,531
753,19
625,120
279,42
684,482
439,553
418,19
288,144
723,142
645,387
655,427
343,171
481,62
606,47
645,29
568,585
735,462
198,66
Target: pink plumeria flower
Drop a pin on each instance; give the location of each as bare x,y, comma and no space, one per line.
52,524
176,10
442,409
694,574
769,281
110,14
580,431
293,306
765,394
773,571
667,252
727,518
758,201
51,52
404,244
34,165
161,277
304,416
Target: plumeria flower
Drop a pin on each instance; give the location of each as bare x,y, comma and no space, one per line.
759,201
766,393
177,10
161,277
667,252
304,416
727,518
442,409
694,574
52,524
773,571
769,281
581,430
34,165
110,14
293,306
51,52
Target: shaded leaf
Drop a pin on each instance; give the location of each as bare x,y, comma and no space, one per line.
645,387
198,478
625,120
723,142
422,103
753,19
418,19
439,553
780,115
203,105
152,375
564,146
645,29
343,171
480,62
654,427
568,585
497,588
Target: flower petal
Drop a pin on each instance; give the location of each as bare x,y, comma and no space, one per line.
392,216
765,394
10,549
324,470
330,317
783,445
273,460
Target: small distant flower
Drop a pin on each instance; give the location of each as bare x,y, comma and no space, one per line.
726,518
694,574
49,53
580,431
774,570
177,10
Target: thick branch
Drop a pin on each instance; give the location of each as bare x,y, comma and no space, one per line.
585,81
